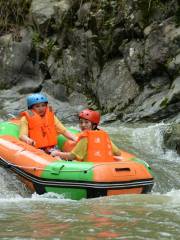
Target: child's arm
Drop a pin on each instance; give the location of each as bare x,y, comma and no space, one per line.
63,155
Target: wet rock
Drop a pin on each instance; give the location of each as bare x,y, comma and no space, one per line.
172,137
147,109
108,118
150,101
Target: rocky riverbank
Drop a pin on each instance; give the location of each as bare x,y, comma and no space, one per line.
121,57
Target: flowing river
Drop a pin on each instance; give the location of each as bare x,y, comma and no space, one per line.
151,216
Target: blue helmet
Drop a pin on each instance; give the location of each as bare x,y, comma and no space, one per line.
36,98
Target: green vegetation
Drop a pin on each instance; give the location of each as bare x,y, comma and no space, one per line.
109,9
13,14
149,8
37,40
164,103
177,17
44,46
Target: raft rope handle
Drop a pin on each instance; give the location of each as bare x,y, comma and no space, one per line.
9,165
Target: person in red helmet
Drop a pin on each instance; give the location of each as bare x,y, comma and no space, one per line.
91,117
94,145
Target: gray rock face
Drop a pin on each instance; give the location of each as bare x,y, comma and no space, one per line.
134,57
14,60
42,11
174,65
160,45
78,66
121,57
115,86
174,92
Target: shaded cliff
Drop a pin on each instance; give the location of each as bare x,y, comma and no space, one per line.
122,57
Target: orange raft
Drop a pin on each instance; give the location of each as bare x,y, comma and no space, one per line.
76,180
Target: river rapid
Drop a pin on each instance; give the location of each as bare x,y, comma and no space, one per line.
50,216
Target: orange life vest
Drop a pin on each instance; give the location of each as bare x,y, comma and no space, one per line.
99,146
41,129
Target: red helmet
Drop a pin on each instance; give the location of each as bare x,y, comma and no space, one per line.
90,115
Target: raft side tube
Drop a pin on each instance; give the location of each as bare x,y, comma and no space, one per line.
74,179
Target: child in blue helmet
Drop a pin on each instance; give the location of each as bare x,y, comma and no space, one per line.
39,126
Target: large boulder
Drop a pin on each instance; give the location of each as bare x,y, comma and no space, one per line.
42,12
159,100
115,88
161,45
16,65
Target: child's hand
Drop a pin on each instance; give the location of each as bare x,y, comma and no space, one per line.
75,138
30,141
118,158
55,153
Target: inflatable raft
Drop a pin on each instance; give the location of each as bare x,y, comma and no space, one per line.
43,173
